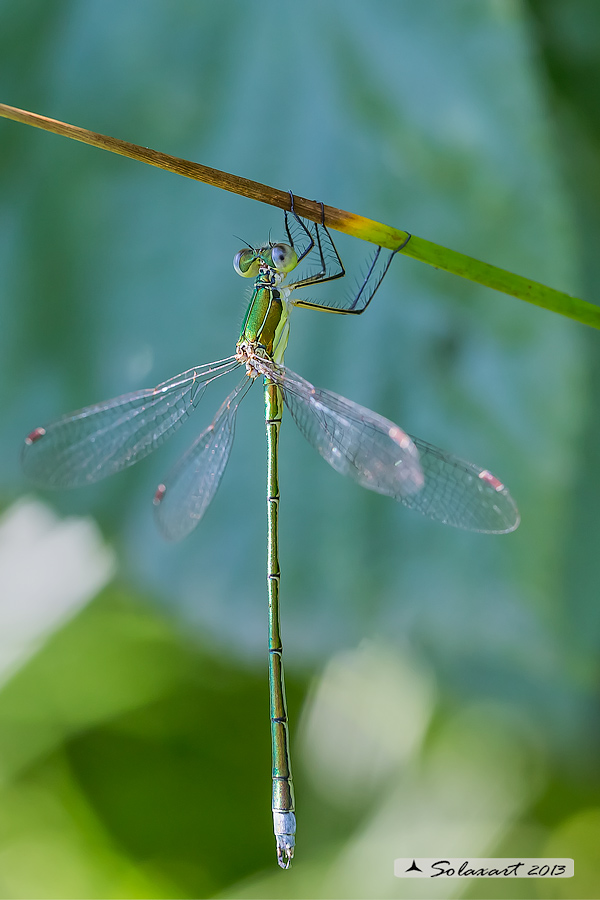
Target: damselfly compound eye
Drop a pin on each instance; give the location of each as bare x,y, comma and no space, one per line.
284,257
246,263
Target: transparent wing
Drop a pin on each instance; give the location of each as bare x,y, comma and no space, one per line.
182,500
380,456
459,493
354,440
100,440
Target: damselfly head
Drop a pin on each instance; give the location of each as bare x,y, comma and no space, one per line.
280,258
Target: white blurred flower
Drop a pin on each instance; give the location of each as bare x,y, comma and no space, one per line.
49,569
366,717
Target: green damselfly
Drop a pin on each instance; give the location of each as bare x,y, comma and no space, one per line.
100,440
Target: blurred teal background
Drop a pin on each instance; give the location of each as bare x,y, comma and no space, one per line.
443,686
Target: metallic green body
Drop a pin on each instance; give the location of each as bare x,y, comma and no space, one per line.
263,318
264,333
266,321
284,820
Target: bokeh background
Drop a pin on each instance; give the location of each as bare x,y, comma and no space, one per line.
443,686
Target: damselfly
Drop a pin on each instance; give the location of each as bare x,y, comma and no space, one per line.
100,440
